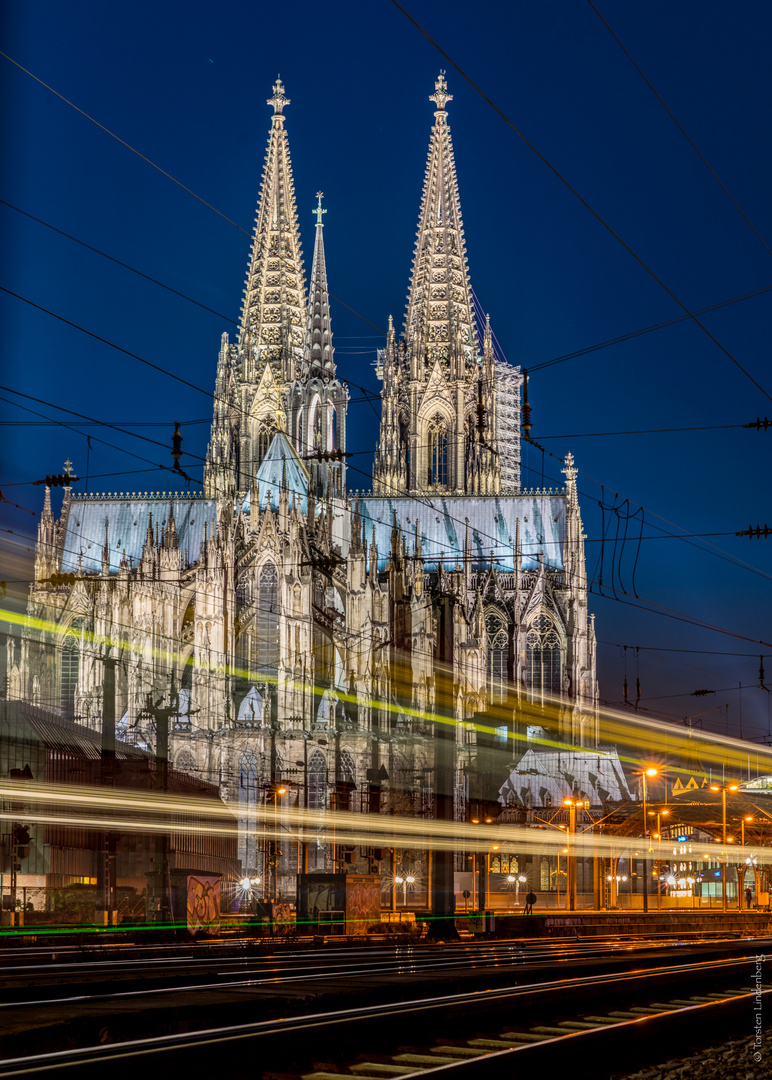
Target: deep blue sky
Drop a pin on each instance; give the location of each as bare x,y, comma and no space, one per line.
186,84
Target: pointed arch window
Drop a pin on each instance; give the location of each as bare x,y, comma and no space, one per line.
267,619
69,680
317,781
497,634
347,768
262,441
248,796
438,452
544,657
185,762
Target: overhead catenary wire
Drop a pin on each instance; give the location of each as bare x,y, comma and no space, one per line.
598,217
681,128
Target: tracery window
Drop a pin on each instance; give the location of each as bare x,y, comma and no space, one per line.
347,767
317,781
498,654
438,452
544,874
262,440
248,795
69,681
267,620
543,657
185,762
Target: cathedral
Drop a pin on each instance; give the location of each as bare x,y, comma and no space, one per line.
302,638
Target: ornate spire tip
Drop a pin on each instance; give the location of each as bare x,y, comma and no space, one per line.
318,209
278,100
440,96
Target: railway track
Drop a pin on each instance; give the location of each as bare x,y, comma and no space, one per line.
32,980
623,1017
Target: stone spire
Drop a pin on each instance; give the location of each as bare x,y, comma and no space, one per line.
254,376
273,310
439,305
317,399
438,407
318,362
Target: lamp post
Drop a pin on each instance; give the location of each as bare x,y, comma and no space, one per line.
742,828
277,791
644,773
659,814
723,790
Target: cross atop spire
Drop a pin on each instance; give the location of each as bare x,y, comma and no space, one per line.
278,100
318,359
440,96
318,211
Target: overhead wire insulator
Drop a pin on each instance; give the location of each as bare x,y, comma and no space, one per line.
759,424
526,424
759,532
702,693
177,446
57,480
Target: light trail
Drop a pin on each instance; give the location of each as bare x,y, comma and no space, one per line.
128,811
636,738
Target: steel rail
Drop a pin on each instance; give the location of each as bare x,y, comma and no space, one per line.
371,1021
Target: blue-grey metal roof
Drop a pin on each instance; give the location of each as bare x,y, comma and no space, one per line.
127,522
281,460
492,524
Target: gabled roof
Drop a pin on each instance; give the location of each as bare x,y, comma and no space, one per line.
492,527
281,463
127,521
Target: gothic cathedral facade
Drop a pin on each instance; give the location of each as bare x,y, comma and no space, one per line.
302,636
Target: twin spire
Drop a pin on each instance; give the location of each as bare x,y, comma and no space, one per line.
439,308
273,311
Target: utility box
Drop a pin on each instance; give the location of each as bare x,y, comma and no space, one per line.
339,903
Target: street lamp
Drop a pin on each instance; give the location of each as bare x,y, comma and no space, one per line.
742,828
277,791
723,790
650,772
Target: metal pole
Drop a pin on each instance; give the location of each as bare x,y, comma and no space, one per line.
645,851
659,862
723,835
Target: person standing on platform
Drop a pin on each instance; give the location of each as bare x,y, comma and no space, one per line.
748,897
530,900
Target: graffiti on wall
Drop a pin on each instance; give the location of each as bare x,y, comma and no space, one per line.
203,904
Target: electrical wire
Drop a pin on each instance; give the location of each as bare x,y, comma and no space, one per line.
598,217
681,128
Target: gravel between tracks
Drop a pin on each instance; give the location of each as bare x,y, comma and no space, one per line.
730,1061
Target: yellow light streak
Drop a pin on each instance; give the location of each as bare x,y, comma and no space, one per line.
122,811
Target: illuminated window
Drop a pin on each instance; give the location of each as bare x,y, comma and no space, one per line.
544,874
69,683
347,768
248,793
267,637
438,452
498,654
317,781
543,657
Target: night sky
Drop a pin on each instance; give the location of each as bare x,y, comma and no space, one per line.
185,84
